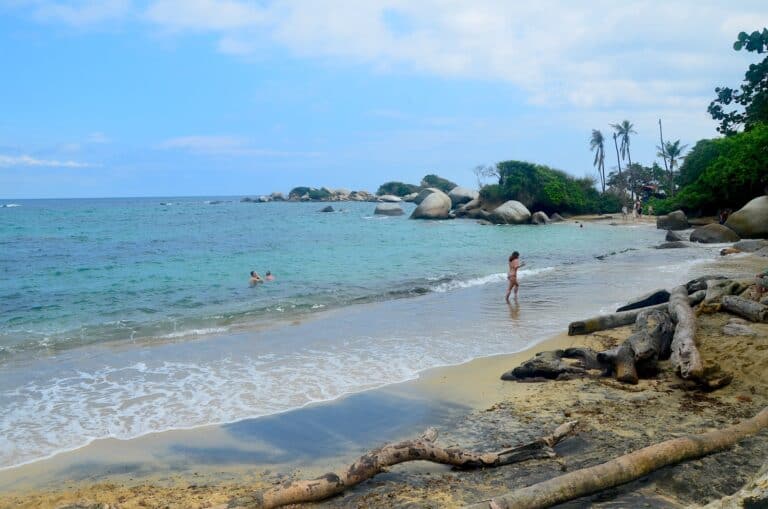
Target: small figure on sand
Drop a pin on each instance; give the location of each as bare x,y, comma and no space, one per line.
761,282
268,276
514,265
624,212
255,278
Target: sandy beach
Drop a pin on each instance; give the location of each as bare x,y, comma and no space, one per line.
471,407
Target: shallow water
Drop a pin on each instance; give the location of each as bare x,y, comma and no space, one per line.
124,317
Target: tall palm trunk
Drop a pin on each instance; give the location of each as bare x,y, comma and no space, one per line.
618,160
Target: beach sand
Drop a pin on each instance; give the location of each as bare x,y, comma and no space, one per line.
472,408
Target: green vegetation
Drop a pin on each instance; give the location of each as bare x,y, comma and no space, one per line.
597,144
298,192
440,183
539,187
397,189
751,99
726,172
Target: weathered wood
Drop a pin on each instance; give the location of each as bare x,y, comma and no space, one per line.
650,299
625,468
424,448
684,355
717,289
746,308
613,320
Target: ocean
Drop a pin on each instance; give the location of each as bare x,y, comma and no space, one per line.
122,317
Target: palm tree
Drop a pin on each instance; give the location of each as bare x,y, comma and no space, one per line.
597,144
623,130
672,151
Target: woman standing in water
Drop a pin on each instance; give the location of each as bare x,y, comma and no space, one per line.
514,265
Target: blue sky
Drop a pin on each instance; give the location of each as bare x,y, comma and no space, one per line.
203,97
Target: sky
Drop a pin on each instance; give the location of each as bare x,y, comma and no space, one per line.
233,97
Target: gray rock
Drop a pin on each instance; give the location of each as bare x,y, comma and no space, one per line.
751,220
511,212
540,218
750,245
676,220
556,218
479,213
672,245
326,209
388,209
673,237
277,196
436,205
390,198
738,327
410,197
460,195
424,193
650,299
713,233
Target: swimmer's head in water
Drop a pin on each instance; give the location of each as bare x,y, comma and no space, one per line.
269,273
253,272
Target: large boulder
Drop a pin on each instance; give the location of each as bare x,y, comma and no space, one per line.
390,198
326,209
672,245
410,197
424,193
539,218
463,209
478,213
556,218
751,220
511,212
437,205
673,237
676,220
389,209
460,195
713,233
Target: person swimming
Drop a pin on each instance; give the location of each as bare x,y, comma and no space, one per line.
514,265
255,278
269,276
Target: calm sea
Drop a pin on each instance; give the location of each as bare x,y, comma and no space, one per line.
120,317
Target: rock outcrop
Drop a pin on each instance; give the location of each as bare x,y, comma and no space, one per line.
390,198
460,195
673,237
436,205
556,218
751,220
388,209
326,209
750,245
676,220
539,218
424,193
511,212
713,233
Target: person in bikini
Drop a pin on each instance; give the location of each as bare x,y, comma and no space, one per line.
514,265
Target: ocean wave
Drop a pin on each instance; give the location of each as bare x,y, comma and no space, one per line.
9,205
194,332
454,284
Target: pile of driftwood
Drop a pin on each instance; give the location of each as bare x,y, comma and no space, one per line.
664,327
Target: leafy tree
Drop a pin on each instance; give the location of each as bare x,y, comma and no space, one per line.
697,160
751,99
397,188
672,152
440,183
298,192
597,145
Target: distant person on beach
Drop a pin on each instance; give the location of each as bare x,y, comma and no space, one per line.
762,283
269,276
650,210
255,278
624,212
514,265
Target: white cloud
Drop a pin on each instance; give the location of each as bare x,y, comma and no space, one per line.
25,160
216,15
97,138
225,146
81,13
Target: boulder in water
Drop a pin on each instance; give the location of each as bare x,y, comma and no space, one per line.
424,193
673,237
539,218
672,245
436,205
460,195
390,198
713,233
326,209
510,212
751,220
556,218
676,220
388,209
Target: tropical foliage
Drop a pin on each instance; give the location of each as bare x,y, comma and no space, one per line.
440,183
672,153
751,99
597,145
397,188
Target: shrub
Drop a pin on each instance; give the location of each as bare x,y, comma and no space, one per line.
298,192
440,183
397,188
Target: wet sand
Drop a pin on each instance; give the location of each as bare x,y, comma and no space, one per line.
470,406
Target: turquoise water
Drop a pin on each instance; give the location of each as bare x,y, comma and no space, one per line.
121,317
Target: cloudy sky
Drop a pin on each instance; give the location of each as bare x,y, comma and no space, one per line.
235,97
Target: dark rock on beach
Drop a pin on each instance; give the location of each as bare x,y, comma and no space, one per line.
673,237
539,218
714,233
672,245
676,220
649,299
751,221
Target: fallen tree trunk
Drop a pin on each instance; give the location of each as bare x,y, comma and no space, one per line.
625,468
423,448
749,309
684,355
650,341
614,320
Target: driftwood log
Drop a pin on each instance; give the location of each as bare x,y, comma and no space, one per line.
423,448
684,355
613,320
747,308
625,468
649,342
